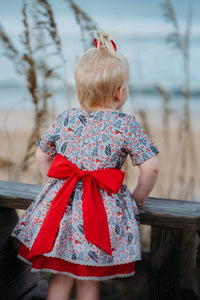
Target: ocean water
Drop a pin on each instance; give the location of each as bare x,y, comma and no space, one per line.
139,30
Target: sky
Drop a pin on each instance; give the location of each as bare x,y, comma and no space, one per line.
138,27
110,15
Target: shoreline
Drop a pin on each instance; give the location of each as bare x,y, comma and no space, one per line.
16,119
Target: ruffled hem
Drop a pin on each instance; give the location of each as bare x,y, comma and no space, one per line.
77,271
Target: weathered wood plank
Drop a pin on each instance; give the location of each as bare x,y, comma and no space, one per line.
16,279
17,195
189,268
171,213
174,271
155,211
165,263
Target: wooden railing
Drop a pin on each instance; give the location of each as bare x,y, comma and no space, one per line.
172,267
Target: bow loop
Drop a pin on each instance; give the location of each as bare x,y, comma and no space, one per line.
109,181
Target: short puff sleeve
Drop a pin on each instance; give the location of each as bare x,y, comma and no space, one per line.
47,143
137,143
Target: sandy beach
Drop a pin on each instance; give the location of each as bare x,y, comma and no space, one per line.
175,181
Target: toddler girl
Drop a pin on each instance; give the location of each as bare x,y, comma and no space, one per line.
83,226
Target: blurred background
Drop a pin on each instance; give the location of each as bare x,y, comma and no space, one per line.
40,42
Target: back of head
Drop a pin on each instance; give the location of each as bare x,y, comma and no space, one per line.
99,73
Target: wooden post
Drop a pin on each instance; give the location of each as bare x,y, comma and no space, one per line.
165,263
16,280
173,272
189,268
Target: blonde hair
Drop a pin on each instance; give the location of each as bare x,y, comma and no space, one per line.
99,73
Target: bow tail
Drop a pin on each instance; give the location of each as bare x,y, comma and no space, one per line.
94,217
46,237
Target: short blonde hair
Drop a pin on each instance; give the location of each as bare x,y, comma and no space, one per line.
99,73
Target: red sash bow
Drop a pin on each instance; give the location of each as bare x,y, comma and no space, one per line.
95,221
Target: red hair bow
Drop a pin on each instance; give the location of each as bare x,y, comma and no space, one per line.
96,42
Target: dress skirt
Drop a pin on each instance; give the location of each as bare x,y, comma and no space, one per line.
77,271
89,229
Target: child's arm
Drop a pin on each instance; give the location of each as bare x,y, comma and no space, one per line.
44,161
146,181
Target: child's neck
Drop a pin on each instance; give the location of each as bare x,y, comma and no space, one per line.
100,108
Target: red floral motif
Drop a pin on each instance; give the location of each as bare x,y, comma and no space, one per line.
91,140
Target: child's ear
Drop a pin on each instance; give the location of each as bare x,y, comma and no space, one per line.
118,93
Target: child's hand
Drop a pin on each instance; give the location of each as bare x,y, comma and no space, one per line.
146,181
44,161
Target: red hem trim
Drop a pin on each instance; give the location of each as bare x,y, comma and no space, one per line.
58,265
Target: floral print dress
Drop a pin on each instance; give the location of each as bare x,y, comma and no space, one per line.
90,140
